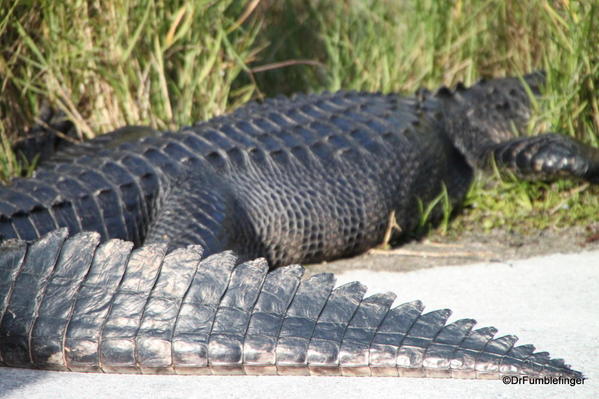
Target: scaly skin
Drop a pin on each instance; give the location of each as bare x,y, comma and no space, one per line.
305,179
72,304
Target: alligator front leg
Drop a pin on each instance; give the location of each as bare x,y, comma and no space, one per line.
548,156
106,307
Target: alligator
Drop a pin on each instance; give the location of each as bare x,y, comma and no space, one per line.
178,251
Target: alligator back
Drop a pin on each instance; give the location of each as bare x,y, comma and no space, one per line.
298,180
302,179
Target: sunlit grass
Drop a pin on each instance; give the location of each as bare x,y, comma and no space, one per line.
170,63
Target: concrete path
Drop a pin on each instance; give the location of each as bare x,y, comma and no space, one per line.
550,301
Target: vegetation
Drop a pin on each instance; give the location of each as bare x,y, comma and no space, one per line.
169,63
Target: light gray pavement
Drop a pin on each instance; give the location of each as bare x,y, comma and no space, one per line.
550,301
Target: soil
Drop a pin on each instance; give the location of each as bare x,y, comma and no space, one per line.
467,248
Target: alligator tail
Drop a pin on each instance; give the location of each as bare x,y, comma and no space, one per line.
90,187
71,303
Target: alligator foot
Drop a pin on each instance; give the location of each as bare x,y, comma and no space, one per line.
548,156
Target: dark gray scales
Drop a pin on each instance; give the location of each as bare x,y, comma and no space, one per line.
305,179
301,179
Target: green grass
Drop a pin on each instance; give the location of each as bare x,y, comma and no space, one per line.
169,63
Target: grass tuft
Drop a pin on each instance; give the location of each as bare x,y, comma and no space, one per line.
170,63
